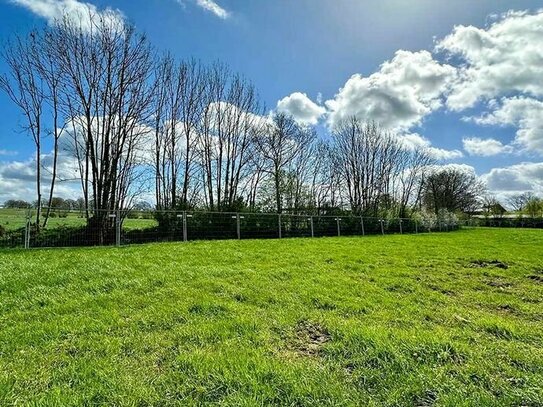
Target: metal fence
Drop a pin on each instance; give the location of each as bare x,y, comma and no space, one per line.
504,222
66,228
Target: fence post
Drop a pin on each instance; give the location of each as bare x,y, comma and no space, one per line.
312,229
416,227
279,222
27,230
338,228
184,226
238,228
118,228
382,226
401,229
362,223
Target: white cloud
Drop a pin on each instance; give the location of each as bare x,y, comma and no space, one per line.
81,13
484,147
522,177
301,108
524,113
18,178
7,152
398,96
414,141
504,57
214,8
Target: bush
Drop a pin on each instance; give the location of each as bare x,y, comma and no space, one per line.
2,231
428,220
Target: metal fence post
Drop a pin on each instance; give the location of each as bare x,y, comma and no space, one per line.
362,223
118,228
279,222
238,228
185,237
382,226
27,230
338,227
401,229
312,229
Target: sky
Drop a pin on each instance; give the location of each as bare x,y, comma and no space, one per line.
463,78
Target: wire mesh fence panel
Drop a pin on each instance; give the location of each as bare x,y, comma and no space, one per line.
13,227
325,226
409,226
509,222
295,226
392,226
68,228
259,226
211,225
149,227
348,226
372,226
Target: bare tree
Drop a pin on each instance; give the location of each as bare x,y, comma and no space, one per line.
367,159
284,142
49,69
230,123
24,86
413,165
518,202
105,92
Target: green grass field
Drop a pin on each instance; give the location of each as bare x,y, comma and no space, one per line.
403,320
12,219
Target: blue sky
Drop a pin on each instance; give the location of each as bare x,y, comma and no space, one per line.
459,91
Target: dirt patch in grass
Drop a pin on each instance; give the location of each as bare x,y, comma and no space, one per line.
499,283
441,290
427,399
506,308
536,277
310,337
489,263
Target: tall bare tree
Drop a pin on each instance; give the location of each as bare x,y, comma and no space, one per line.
105,75
25,88
284,142
367,158
230,123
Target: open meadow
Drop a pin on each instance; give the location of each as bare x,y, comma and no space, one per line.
443,319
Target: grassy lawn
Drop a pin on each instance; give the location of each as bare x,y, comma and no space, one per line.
403,320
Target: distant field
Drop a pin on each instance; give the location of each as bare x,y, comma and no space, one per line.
450,319
12,219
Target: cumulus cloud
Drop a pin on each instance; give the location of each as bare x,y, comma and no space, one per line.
524,113
416,141
81,13
484,147
301,108
18,178
504,57
398,96
522,177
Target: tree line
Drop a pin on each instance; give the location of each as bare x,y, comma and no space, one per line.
196,135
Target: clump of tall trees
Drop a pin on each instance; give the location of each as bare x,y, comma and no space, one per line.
135,123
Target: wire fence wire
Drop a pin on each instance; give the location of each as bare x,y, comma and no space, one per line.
70,228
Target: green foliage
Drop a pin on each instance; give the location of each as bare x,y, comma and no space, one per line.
376,321
534,207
